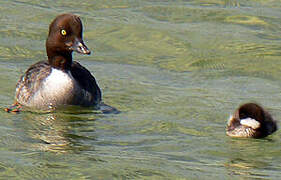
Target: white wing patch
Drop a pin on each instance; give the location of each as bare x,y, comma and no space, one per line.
250,123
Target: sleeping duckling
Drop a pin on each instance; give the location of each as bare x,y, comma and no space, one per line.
252,121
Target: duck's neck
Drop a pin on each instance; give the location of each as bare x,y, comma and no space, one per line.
60,61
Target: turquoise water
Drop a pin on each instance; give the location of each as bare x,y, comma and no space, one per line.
175,70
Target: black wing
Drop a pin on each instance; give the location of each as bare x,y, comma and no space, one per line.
86,80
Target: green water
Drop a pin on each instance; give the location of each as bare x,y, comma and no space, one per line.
176,70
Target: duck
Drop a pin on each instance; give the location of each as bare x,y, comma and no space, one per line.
60,80
250,120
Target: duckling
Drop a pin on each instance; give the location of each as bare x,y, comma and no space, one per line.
252,121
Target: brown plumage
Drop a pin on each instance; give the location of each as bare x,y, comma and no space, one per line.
250,120
59,81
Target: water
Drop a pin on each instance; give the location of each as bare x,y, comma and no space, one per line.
176,70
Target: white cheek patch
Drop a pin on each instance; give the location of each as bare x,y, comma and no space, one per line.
252,123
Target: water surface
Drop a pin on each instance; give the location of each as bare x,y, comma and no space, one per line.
176,70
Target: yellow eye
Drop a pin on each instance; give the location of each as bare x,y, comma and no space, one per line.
63,32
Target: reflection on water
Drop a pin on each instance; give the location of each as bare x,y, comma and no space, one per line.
55,132
175,70
249,157
244,168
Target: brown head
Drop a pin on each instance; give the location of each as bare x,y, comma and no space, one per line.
251,110
65,36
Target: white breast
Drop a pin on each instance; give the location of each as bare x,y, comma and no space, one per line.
57,88
58,80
